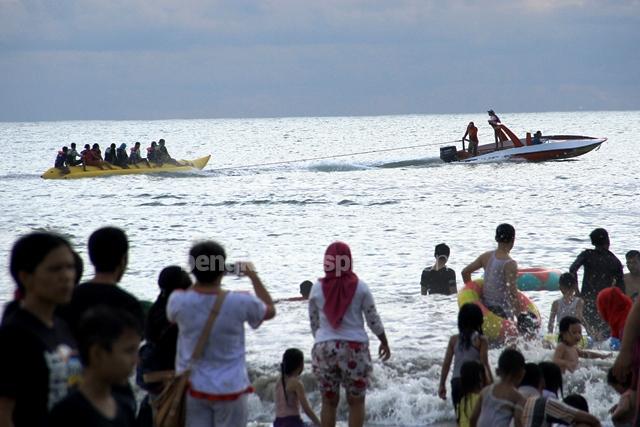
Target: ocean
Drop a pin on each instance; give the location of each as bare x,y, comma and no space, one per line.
391,207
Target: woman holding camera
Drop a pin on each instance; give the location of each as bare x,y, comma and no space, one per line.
219,381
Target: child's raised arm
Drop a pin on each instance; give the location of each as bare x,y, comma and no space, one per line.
298,388
446,365
552,316
475,265
586,354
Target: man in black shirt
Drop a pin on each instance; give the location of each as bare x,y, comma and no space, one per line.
439,279
602,269
108,249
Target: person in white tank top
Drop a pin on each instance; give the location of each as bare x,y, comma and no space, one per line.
500,293
501,403
569,304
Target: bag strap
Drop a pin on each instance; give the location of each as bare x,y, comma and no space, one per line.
199,349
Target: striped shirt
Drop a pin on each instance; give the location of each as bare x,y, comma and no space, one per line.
537,411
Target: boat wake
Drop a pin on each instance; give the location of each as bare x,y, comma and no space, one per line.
323,166
338,167
422,162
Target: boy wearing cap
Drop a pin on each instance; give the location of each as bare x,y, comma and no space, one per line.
439,279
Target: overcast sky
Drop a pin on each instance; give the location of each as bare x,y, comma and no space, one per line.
158,59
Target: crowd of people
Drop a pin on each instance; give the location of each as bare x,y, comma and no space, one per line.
157,155
79,343
523,395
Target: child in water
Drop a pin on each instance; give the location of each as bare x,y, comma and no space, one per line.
569,304
289,392
500,403
472,381
623,412
467,344
567,354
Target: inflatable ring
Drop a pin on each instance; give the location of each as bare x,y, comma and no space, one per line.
538,279
497,329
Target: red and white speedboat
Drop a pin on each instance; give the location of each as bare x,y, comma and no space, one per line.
511,147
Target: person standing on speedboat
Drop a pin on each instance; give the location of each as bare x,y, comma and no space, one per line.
499,292
472,132
495,123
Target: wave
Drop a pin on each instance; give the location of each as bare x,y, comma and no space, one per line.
338,167
384,202
429,161
167,196
260,202
163,204
18,176
403,392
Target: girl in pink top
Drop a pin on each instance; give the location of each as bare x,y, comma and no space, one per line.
289,393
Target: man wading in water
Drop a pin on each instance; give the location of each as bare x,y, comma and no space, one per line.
499,292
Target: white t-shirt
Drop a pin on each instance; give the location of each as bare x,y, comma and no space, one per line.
352,326
222,368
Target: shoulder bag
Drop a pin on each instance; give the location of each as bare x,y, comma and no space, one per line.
170,405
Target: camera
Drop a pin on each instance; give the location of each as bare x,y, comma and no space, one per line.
232,269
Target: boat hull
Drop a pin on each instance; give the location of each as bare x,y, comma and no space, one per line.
77,172
553,149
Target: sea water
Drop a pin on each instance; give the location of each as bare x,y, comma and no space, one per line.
391,207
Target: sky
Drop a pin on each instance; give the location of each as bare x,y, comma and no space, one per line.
160,59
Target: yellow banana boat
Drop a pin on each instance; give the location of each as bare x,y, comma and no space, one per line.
93,171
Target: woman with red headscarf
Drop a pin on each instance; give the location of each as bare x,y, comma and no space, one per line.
338,305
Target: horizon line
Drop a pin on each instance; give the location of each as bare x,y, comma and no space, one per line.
266,117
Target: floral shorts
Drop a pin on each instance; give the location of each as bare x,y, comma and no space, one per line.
346,363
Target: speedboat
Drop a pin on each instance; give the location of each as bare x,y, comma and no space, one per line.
140,168
510,147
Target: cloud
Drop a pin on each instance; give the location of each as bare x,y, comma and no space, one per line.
197,58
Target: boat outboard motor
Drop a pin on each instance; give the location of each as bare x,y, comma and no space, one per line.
449,154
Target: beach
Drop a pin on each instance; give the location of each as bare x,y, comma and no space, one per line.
391,207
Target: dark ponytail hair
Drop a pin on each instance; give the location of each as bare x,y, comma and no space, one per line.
292,359
172,278
552,377
470,321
